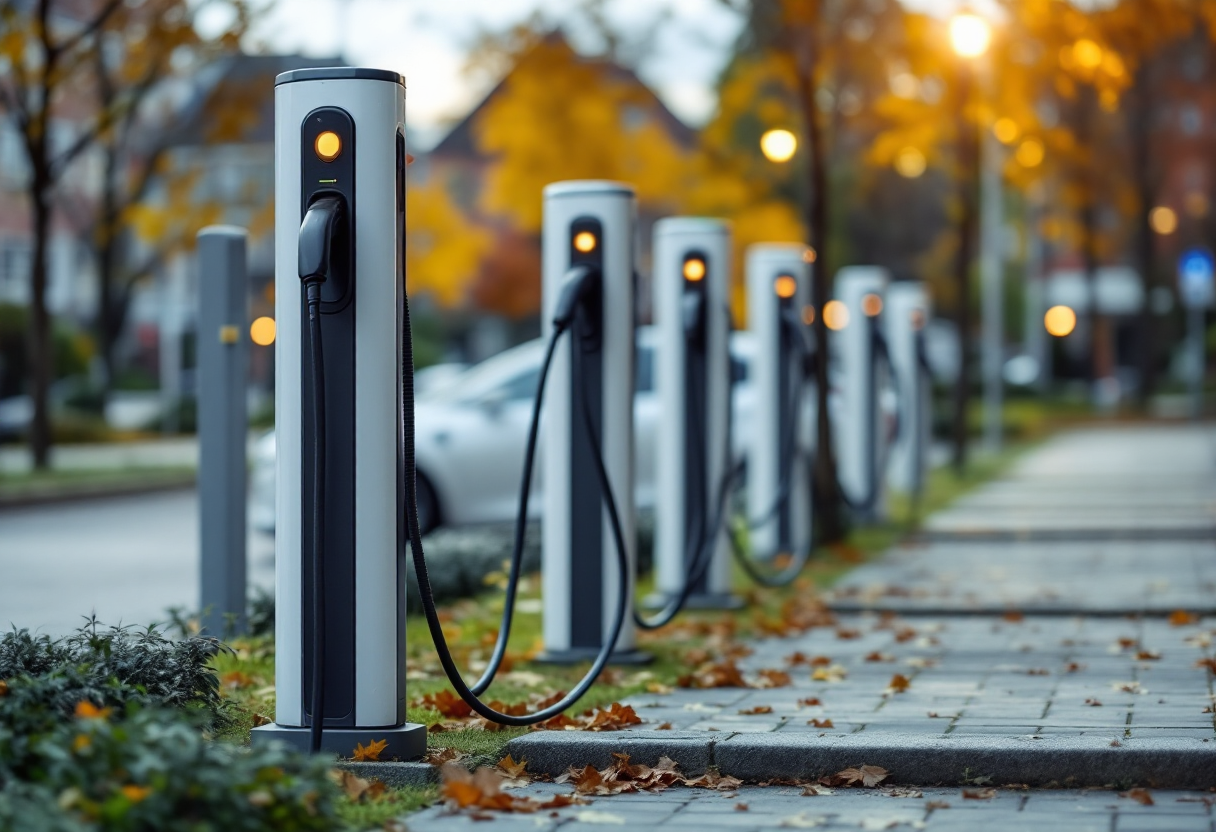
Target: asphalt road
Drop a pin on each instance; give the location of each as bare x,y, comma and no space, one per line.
128,559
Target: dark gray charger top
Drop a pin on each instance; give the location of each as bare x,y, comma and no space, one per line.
335,73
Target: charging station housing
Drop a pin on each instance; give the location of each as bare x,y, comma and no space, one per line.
691,285
904,319
340,133
588,223
778,292
861,446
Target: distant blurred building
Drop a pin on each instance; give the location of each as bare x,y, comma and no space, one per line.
511,279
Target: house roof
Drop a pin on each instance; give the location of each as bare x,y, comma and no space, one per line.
460,141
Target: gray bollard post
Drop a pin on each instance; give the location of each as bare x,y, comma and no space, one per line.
223,368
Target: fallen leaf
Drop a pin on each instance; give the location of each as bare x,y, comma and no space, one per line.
714,780
905,634
773,679
1210,664
3,687
369,753
1141,796
879,657
236,679
937,804
259,720
447,703
820,661
979,794
666,726
613,718
355,787
757,710
904,791
440,756
1181,618
834,673
1038,671
810,702
803,821
899,683
1073,667
1013,616
846,634
820,723
515,773
816,790
1094,703
865,776
659,688
1148,655
740,807
723,674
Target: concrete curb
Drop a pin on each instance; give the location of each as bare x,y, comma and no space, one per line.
96,491
912,759
396,775
996,611
1063,535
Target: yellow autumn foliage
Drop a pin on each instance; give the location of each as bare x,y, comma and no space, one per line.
443,247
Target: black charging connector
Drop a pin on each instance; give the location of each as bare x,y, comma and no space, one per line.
318,232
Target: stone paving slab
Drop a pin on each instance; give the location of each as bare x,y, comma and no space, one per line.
1090,577
1041,700
932,809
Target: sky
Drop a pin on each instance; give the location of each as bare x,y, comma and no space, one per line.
428,42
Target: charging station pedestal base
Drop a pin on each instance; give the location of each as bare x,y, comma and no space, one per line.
405,742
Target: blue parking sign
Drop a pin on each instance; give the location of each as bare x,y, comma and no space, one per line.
1195,278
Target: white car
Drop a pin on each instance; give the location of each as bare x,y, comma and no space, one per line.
470,434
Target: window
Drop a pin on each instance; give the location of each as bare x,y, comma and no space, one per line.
522,386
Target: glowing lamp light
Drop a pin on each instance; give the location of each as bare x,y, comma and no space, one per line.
910,163
328,145
1163,220
262,331
809,256
785,286
585,242
1060,321
694,269
1005,130
835,315
871,305
1030,153
778,145
970,35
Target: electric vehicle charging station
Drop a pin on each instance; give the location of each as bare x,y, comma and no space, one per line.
904,319
861,443
340,526
589,228
778,495
691,284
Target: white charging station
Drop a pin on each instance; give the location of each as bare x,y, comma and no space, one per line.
778,496
588,223
691,285
861,440
904,318
340,196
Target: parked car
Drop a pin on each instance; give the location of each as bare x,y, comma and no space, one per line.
470,434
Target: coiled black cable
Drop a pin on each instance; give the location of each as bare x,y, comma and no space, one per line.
566,306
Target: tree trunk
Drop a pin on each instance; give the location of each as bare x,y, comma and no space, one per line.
828,519
108,315
1138,126
41,361
968,182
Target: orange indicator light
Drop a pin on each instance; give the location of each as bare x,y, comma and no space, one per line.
585,241
871,305
328,146
694,269
785,286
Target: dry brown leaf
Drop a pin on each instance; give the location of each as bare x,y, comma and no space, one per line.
370,752
515,773
1093,703
904,791
905,634
820,661
1141,796
833,673
865,776
815,790
1013,616
613,718
879,657
355,787
1181,618
236,679
666,726
899,683
1210,664
810,702
561,722
725,674
979,794
757,710
449,705
1073,667
658,687
440,756
937,804
773,679
740,807
714,780
259,720
820,723
1148,655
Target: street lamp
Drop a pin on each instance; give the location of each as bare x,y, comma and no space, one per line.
971,39
778,145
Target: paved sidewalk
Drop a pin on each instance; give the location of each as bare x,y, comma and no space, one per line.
932,809
1049,631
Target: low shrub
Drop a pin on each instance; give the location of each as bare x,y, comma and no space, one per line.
144,769
111,666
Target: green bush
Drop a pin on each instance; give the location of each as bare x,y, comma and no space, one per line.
152,770
111,666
